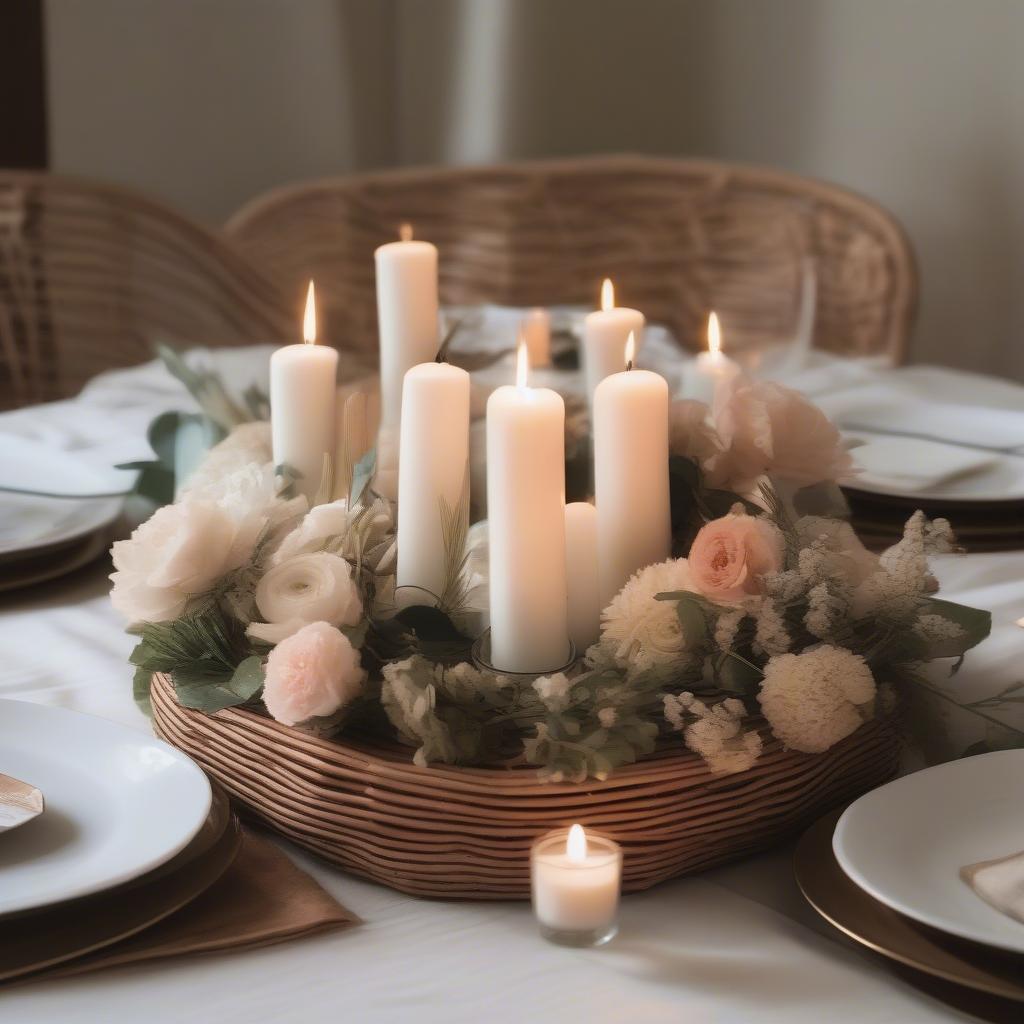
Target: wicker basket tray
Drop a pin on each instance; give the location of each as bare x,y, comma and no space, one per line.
466,832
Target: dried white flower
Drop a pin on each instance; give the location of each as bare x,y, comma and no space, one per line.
638,630
553,691
827,612
726,627
932,628
814,699
772,636
715,732
607,717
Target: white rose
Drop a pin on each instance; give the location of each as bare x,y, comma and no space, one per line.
317,526
178,553
314,587
248,443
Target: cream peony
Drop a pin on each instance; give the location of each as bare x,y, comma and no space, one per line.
179,553
814,699
768,428
639,631
690,432
729,556
307,588
312,674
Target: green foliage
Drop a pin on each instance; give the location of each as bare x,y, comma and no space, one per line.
362,474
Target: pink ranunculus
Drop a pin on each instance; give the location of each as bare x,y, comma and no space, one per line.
768,428
729,555
313,673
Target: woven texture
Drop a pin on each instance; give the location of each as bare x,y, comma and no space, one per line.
466,832
679,238
92,275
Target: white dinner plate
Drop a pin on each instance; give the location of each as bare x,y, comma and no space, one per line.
29,523
995,477
906,842
118,804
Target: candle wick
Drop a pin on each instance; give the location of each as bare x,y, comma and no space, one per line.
629,366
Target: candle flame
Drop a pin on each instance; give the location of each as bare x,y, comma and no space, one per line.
576,845
630,351
607,294
522,362
405,232
309,317
714,336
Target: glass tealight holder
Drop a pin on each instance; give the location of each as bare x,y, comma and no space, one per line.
575,878
481,655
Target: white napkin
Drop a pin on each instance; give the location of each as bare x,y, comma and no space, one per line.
912,464
999,883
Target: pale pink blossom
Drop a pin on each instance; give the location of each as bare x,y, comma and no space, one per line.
730,555
770,429
312,674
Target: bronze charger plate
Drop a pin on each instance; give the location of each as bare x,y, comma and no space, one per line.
863,918
37,939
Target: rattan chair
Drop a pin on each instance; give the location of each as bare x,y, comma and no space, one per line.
679,238
92,275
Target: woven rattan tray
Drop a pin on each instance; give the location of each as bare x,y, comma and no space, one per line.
466,832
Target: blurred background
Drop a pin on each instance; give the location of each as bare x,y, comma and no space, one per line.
207,103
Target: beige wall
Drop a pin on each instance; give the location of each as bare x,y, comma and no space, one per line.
917,103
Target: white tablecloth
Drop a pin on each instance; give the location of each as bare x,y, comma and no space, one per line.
730,946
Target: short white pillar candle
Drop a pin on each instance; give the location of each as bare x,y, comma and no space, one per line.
432,477
582,579
575,881
604,338
536,332
303,389
708,373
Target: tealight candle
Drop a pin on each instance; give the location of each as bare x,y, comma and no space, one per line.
704,376
575,880
604,338
302,406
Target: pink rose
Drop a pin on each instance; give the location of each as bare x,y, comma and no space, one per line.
768,428
729,555
311,674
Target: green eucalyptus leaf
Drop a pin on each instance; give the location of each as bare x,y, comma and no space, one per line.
140,690
205,691
362,474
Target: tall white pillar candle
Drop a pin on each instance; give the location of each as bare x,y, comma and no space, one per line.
432,477
581,567
302,405
634,526
709,372
536,332
526,526
604,338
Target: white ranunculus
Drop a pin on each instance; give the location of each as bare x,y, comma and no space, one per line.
638,630
312,587
178,553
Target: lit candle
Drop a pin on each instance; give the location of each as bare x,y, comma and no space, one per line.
536,332
604,338
432,481
526,526
702,377
302,401
407,322
581,567
576,880
630,475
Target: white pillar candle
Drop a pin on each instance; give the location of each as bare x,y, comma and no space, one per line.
432,477
536,332
604,338
634,526
703,377
575,881
407,321
526,517
581,567
302,405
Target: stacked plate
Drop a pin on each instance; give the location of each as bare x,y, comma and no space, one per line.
130,832
888,873
44,537
959,462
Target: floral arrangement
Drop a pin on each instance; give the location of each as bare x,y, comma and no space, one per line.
771,619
